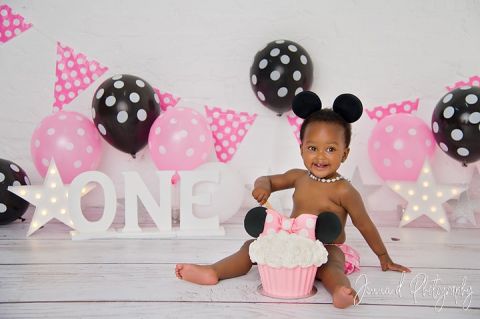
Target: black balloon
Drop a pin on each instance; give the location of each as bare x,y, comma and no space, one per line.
279,72
12,207
124,109
455,124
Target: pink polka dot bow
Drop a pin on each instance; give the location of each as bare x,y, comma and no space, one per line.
303,225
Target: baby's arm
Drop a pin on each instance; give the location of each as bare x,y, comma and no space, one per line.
265,185
353,203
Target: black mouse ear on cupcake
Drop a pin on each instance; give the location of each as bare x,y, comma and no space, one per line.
254,221
328,227
348,106
306,103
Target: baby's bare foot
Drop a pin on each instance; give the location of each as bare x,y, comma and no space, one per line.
198,274
344,297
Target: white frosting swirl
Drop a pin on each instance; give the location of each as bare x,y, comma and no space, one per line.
287,250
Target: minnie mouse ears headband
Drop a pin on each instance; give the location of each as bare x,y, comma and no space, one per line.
327,228
348,106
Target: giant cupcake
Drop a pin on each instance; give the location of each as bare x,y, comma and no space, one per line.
287,263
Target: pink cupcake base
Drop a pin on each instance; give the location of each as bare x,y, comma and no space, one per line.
287,283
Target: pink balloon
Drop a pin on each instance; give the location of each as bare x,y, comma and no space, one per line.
71,139
180,139
399,145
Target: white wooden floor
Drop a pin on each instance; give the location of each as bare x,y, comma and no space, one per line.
50,276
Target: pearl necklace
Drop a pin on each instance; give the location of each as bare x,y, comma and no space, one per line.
325,180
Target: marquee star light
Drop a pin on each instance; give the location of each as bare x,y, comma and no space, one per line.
50,199
425,197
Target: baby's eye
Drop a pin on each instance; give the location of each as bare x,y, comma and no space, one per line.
312,148
330,149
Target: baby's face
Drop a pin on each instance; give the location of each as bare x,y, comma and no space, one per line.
323,148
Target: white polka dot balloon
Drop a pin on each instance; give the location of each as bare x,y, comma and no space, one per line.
71,139
12,207
124,108
280,71
456,124
180,139
398,147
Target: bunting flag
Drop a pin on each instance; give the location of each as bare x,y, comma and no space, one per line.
228,130
11,24
74,73
379,112
296,124
473,81
167,100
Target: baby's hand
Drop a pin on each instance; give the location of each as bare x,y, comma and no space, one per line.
261,195
387,264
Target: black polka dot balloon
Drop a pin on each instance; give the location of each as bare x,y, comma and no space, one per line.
456,124
279,72
124,108
12,207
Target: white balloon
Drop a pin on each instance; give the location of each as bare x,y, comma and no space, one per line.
226,195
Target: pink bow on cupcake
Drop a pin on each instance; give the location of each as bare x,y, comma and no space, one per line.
303,225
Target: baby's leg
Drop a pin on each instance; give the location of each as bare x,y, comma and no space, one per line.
232,266
334,279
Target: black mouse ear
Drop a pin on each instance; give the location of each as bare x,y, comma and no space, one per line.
348,106
254,221
328,227
305,103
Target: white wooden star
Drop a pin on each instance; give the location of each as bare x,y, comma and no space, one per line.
465,208
364,189
50,199
424,197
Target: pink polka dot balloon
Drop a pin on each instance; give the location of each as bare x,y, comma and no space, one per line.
180,139
71,139
399,145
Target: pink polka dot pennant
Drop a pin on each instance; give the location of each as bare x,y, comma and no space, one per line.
296,124
228,130
473,81
11,24
74,73
379,112
166,100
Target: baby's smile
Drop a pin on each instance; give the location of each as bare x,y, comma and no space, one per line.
320,165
